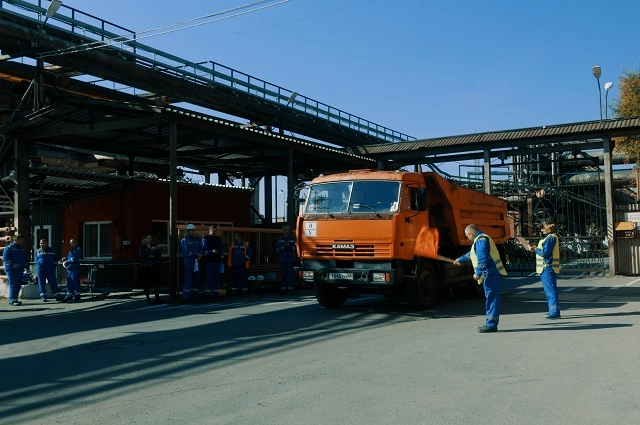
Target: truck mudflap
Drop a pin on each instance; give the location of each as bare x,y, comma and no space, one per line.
351,277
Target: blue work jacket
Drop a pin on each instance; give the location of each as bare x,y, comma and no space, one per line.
46,259
74,257
14,258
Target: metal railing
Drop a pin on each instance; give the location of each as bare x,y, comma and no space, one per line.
99,33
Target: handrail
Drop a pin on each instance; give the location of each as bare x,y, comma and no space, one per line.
199,74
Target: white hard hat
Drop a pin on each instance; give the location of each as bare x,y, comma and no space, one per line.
259,277
251,278
190,227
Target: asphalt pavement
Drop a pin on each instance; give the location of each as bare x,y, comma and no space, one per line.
274,359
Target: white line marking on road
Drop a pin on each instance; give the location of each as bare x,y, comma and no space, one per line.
569,289
593,288
632,282
616,287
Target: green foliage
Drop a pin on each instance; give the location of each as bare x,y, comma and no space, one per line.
593,230
145,175
628,105
181,177
185,179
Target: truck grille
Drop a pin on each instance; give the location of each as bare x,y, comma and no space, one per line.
362,250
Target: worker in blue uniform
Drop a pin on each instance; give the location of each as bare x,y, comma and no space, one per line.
212,255
488,270
46,260
72,264
548,265
191,259
14,259
286,248
238,261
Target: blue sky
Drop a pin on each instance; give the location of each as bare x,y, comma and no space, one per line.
424,68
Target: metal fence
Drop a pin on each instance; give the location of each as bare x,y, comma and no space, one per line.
580,215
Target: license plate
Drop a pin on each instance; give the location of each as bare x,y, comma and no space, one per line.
347,276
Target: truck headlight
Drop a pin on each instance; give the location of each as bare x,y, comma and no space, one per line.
379,277
307,275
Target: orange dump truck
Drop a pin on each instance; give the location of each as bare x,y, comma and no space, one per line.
358,232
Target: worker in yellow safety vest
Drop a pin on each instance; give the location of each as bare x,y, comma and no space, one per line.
488,270
548,265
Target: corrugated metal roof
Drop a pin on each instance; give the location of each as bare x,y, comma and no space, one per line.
508,138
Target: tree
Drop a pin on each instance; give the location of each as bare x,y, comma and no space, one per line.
628,105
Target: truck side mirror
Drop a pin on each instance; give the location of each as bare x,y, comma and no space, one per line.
421,199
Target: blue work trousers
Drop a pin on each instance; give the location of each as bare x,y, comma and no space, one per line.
44,277
212,278
239,278
550,286
286,275
15,283
492,290
73,282
191,284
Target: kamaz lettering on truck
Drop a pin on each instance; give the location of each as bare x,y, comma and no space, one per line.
358,231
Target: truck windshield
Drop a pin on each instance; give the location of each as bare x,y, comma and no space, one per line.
353,197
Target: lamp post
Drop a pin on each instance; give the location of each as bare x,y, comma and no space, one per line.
37,86
597,71
607,87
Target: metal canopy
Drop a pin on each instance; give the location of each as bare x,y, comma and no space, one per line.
556,138
139,134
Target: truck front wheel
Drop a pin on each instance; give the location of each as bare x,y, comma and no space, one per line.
328,296
422,291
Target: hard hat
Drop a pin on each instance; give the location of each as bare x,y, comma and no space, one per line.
190,227
259,277
251,278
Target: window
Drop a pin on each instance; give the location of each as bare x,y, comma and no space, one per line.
97,240
329,198
365,196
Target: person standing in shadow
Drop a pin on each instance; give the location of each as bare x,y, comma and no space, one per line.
150,264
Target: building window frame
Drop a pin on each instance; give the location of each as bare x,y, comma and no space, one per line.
87,243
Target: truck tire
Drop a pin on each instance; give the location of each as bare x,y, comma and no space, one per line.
422,292
329,296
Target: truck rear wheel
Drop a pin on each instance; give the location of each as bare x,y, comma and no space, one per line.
328,296
422,291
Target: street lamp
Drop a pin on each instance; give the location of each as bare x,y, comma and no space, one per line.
607,87
597,71
37,88
52,9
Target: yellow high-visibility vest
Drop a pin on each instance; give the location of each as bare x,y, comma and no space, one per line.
555,261
493,252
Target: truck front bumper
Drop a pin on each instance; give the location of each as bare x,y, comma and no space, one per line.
351,277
